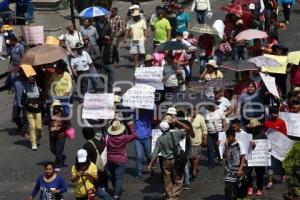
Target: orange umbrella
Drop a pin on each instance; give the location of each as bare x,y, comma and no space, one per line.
41,55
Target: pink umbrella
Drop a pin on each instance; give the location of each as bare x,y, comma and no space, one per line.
251,34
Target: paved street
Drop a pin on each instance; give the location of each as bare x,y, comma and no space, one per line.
20,166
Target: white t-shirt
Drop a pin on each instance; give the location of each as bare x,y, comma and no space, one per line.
81,62
137,29
72,40
214,121
224,104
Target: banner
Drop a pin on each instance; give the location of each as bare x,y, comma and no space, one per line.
277,70
242,137
139,96
260,155
156,133
33,35
152,76
280,144
292,121
270,84
98,106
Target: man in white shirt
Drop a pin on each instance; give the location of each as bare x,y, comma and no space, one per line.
80,65
137,29
89,30
224,103
72,37
215,122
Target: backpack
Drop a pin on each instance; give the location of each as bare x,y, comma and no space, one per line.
100,161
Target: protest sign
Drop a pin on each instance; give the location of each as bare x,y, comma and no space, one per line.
242,137
139,96
260,155
156,133
150,76
98,106
292,121
270,84
277,70
280,144
33,35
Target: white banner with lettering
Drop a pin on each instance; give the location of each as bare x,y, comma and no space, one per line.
292,121
98,106
33,35
152,76
260,155
139,96
270,84
280,144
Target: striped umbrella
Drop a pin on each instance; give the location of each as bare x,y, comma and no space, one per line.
94,11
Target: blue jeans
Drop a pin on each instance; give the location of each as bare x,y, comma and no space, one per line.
212,148
202,61
117,172
93,84
108,69
139,146
186,179
200,15
240,52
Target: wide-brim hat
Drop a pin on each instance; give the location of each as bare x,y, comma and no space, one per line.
254,123
135,13
56,103
117,128
148,57
212,63
172,111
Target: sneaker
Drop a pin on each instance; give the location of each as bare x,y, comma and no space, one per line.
116,197
2,58
250,191
287,22
34,147
259,193
186,187
269,186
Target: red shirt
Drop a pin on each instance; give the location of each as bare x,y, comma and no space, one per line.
295,75
278,125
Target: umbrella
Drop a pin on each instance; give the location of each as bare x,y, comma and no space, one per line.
239,65
185,98
170,46
94,11
251,34
234,9
263,61
41,55
217,82
204,28
294,57
243,2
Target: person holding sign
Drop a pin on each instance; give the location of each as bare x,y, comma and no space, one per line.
234,156
256,128
275,123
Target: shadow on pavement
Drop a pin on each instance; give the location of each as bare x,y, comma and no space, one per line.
214,197
153,198
10,131
24,143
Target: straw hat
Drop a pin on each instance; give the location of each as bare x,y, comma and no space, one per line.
185,35
172,111
51,40
135,13
212,63
148,57
116,128
56,103
253,123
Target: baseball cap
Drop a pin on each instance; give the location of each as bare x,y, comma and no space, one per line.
164,126
82,155
251,6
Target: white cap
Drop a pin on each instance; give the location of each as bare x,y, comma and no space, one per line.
185,35
164,126
172,111
82,155
251,6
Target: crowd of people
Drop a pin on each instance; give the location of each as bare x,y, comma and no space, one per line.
47,97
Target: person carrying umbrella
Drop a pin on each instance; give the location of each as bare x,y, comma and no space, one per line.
238,47
103,28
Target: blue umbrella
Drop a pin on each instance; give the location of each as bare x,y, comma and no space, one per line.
94,11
